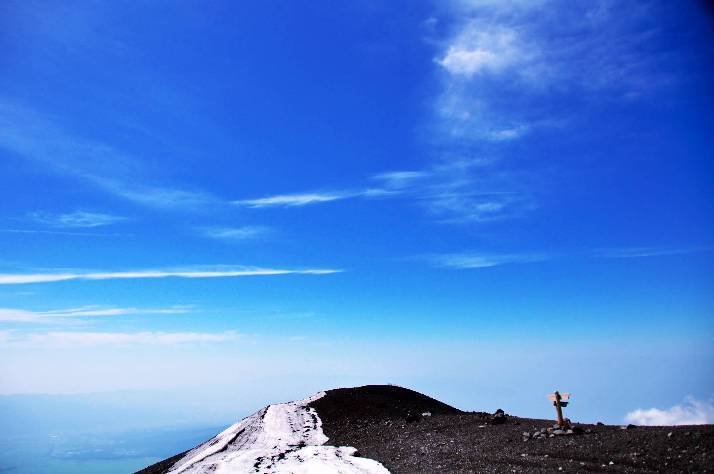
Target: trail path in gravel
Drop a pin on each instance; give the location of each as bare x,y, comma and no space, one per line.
281,438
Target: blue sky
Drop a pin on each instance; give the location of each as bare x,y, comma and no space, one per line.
484,200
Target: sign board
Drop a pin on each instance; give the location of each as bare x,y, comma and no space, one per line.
563,397
560,400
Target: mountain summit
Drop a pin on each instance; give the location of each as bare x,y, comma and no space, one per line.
289,437
385,428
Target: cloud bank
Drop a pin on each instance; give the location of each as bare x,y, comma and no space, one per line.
691,412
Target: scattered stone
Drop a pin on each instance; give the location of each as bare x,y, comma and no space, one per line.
426,413
612,463
670,434
499,417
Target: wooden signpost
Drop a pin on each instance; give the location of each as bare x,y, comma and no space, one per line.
560,400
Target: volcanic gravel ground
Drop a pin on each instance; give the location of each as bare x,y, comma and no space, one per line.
373,420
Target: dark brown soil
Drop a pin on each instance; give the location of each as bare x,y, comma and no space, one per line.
373,420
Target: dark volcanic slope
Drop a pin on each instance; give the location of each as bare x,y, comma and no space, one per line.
161,467
373,420
376,402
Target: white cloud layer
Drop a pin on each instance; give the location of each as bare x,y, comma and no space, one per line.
447,190
310,198
20,278
27,316
76,219
479,49
691,412
504,65
234,233
59,232
393,180
640,252
466,260
292,200
72,338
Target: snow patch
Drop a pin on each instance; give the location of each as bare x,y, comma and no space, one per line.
281,438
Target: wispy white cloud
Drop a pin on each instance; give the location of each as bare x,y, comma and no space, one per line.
461,206
484,49
76,219
235,233
485,260
487,57
587,46
154,196
80,338
27,316
60,232
390,188
502,5
474,260
224,272
38,137
691,412
462,190
641,252
503,64
397,180
510,133
446,190
294,200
